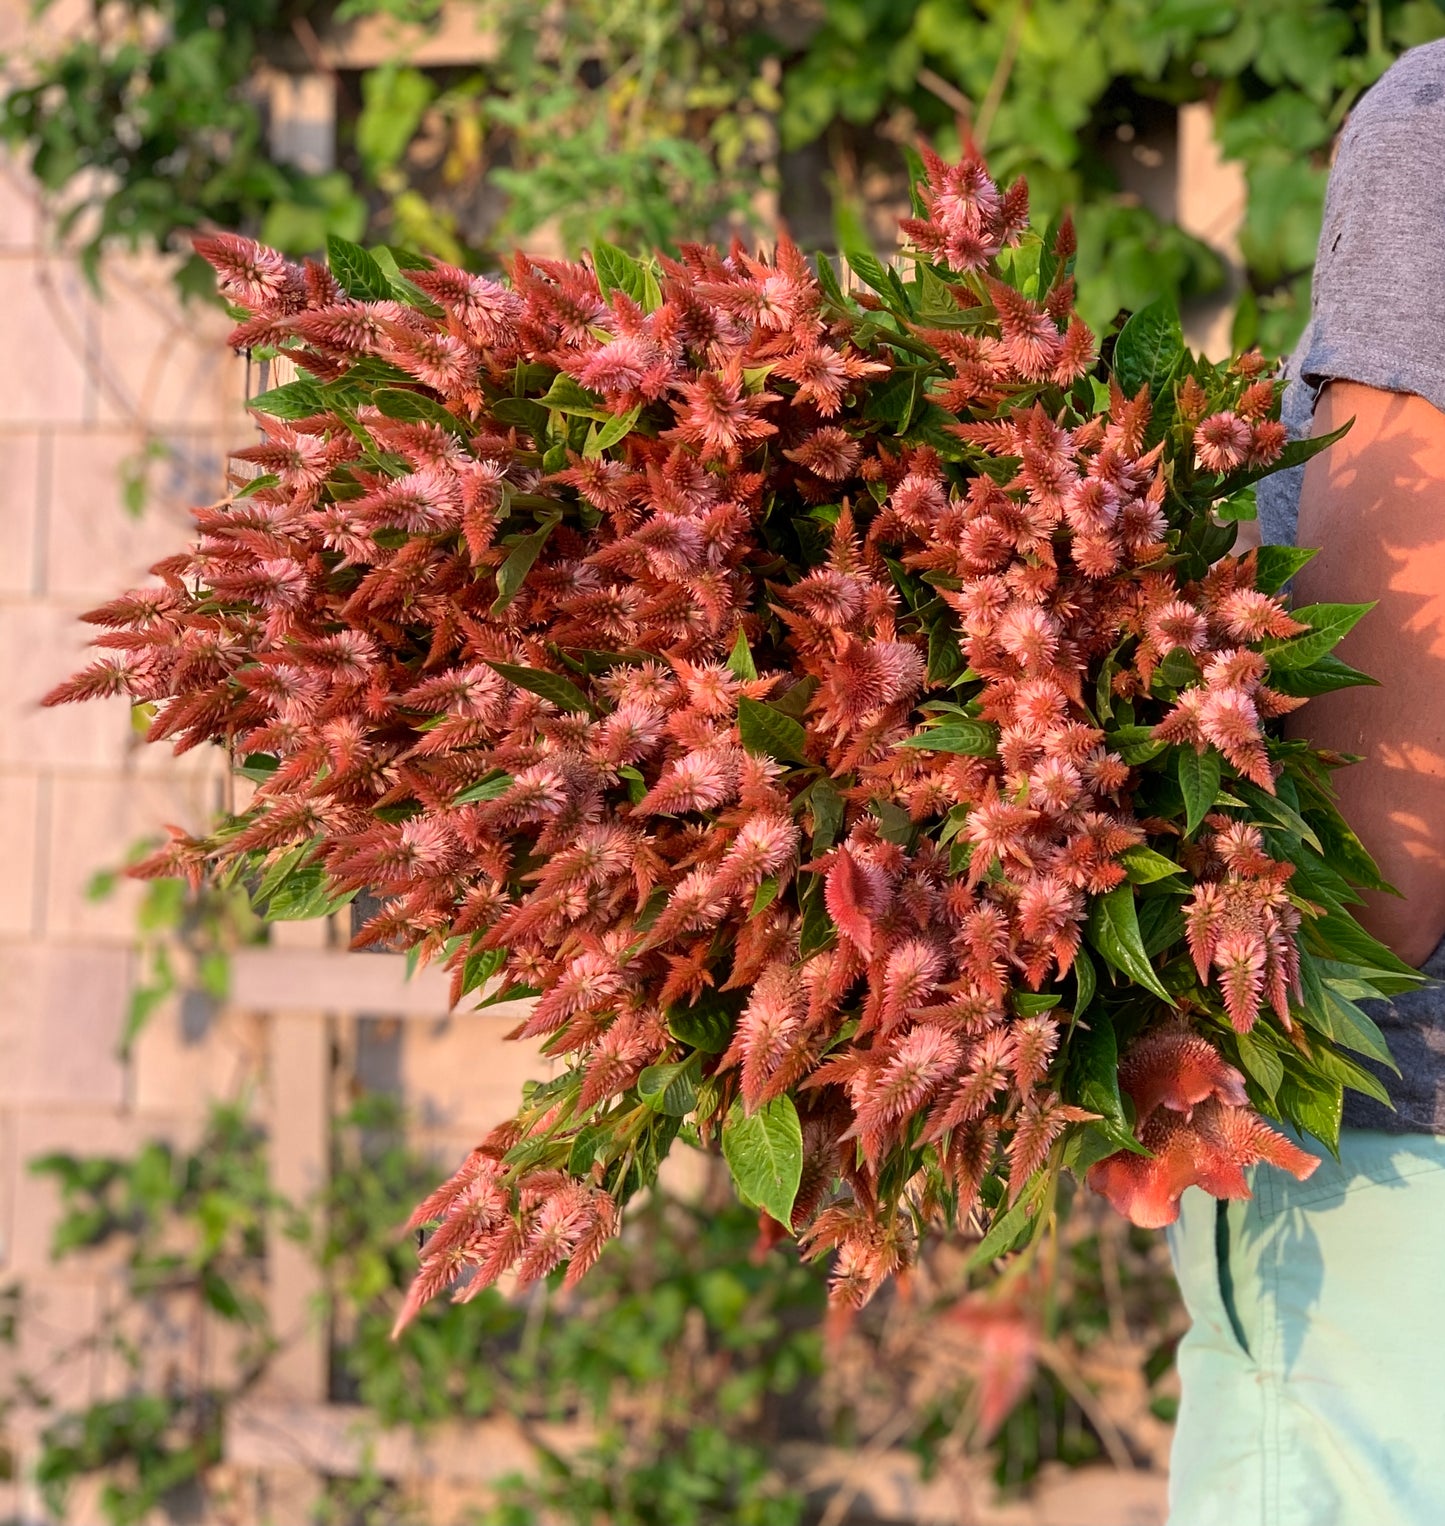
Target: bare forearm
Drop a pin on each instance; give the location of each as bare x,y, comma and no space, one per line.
1375,505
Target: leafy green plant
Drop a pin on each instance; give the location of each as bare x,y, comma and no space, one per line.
193,1227
651,119
144,123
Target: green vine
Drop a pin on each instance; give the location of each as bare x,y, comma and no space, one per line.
656,120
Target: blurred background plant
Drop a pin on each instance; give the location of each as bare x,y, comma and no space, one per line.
656,121
680,1387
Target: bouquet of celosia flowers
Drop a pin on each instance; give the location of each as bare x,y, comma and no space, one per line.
840,712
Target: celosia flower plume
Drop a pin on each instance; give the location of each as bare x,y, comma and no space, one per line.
842,714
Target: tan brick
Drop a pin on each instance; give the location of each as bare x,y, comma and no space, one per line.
40,644
54,1350
62,1012
462,1075
20,489
166,365
19,210
25,27
20,809
95,822
49,338
190,1054
94,548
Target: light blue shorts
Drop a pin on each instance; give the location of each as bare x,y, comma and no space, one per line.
1314,1370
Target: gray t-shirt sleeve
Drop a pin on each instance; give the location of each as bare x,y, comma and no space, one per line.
1378,300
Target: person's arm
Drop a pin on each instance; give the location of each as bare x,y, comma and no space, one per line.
1375,505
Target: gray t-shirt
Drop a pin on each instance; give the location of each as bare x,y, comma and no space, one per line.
1378,317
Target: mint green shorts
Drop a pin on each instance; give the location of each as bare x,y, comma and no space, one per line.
1314,1370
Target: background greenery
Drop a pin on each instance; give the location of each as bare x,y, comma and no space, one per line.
654,121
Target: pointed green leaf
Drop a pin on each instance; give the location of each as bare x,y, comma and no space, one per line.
740,660
1093,1080
615,429
551,686
764,1152
957,734
1144,866
1199,775
1328,625
1261,1063
1276,565
1149,348
1009,1229
618,271
295,400
1322,677
1113,929
670,1089
485,789
417,408
826,805
707,1024
512,574
357,271
1086,982
566,395
767,732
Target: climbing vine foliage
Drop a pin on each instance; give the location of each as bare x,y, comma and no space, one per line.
839,713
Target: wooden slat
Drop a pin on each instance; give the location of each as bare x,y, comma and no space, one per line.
300,1089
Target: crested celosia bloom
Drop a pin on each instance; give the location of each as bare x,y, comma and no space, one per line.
840,713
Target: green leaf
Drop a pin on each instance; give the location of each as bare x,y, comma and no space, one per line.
1328,625
1009,1229
1094,1080
894,823
957,734
1276,565
296,400
1277,810
1317,1108
1086,982
1261,1063
1149,348
740,660
417,408
1321,677
767,732
1296,453
512,574
568,396
1031,1003
1144,866
1135,744
670,1089
1199,775
764,1152
1113,929
485,789
636,784
357,272
826,804
618,426
551,686
618,271
764,896
707,1024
